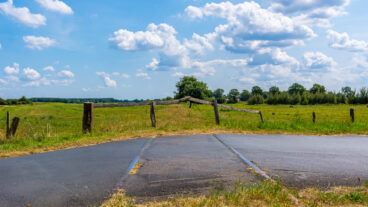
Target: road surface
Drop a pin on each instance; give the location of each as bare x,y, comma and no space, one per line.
179,165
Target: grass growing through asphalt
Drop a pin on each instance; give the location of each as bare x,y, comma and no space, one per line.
50,126
260,194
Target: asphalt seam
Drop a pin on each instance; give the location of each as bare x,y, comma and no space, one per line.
134,162
246,161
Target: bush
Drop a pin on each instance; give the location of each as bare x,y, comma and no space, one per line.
256,99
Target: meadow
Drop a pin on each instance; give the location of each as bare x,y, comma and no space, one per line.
50,126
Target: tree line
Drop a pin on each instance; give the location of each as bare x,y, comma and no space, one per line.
22,100
296,94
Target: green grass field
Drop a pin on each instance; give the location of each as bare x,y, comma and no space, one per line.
49,126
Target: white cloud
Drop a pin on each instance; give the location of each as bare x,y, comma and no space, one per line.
343,41
273,57
159,38
31,74
153,65
318,60
178,74
22,14
66,74
107,79
1,46
209,68
125,75
49,68
198,44
312,12
38,43
12,78
250,27
12,70
55,5
145,76
109,82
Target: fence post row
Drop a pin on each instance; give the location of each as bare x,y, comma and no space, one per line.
153,114
352,115
314,117
217,116
87,117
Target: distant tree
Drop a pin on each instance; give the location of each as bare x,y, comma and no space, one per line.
274,90
317,89
218,94
233,96
256,99
296,88
244,95
256,90
346,91
190,86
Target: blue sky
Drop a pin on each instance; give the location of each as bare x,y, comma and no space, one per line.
140,49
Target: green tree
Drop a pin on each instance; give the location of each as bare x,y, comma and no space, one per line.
317,89
256,90
346,91
274,90
256,99
244,95
218,94
233,96
190,86
296,88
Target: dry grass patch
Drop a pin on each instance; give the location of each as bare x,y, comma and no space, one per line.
260,194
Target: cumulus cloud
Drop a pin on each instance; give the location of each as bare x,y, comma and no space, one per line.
145,76
31,74
318,60
159,38
273,57
12,69
38,43
125,75
49,68
178,74
153,65
342,41
66,74
313,12
107,79
198,44
55,5
22,14
250,27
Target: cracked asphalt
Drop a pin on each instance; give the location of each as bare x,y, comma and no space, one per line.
179,165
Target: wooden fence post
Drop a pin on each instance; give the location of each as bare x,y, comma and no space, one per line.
314,117
260,114
14,126
352,115
153,114
217,116
8,124
190,104
87,117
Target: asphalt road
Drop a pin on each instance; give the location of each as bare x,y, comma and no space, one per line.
179,165
303,161
75,177
186,165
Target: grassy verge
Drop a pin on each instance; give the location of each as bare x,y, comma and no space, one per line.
259,194
51,126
